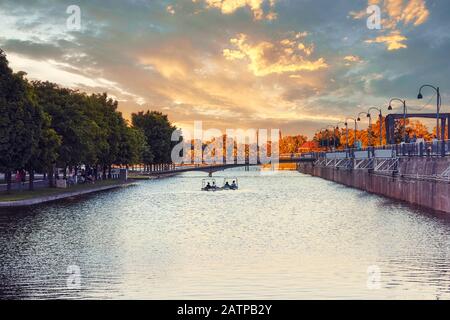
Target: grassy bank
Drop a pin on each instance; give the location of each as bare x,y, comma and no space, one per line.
17,195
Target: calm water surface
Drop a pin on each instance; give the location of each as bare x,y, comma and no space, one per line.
285,236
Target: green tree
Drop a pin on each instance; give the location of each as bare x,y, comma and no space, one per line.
71,120
20,120
104,111
133,147
45,155
43,125
158,132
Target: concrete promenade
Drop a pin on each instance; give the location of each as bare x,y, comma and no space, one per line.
63,195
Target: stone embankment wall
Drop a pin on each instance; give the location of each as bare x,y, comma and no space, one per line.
417,182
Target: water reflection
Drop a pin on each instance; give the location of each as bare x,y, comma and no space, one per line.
280,236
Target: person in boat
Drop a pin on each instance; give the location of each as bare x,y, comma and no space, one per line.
234,185
227,185
214,185
208,186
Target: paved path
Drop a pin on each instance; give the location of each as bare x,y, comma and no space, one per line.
16,186
69,194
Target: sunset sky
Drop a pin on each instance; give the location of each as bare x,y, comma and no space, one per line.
295,65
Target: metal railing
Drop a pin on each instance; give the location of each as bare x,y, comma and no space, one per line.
416,149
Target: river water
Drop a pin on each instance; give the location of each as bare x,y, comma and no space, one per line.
283,235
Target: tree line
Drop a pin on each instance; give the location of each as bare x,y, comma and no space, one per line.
371,136
44,126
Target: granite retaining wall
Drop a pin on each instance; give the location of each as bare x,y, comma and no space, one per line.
413,183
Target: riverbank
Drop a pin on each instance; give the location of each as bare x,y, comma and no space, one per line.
42,195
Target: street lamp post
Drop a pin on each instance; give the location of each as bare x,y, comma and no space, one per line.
381,122
334,135
337,126
327,141
368,131
404,114
438,106
356,129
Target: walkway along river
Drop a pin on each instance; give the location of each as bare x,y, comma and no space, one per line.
282,235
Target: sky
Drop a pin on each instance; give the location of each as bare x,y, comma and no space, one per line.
293,65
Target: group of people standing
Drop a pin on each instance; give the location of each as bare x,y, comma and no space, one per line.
87,175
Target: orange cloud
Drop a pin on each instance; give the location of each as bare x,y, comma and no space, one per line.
166,66
415,12
230,6
396,14
170,9
393,41
352,58
267,58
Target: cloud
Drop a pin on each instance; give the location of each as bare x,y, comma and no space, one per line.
352,58
393,41
170,9
398,13
396,16
265,57
270,75
256,7
67,76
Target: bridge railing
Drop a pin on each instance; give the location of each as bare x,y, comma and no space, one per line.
170,168
165,167
416,149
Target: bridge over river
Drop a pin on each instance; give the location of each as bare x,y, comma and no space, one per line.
166,169
418,173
